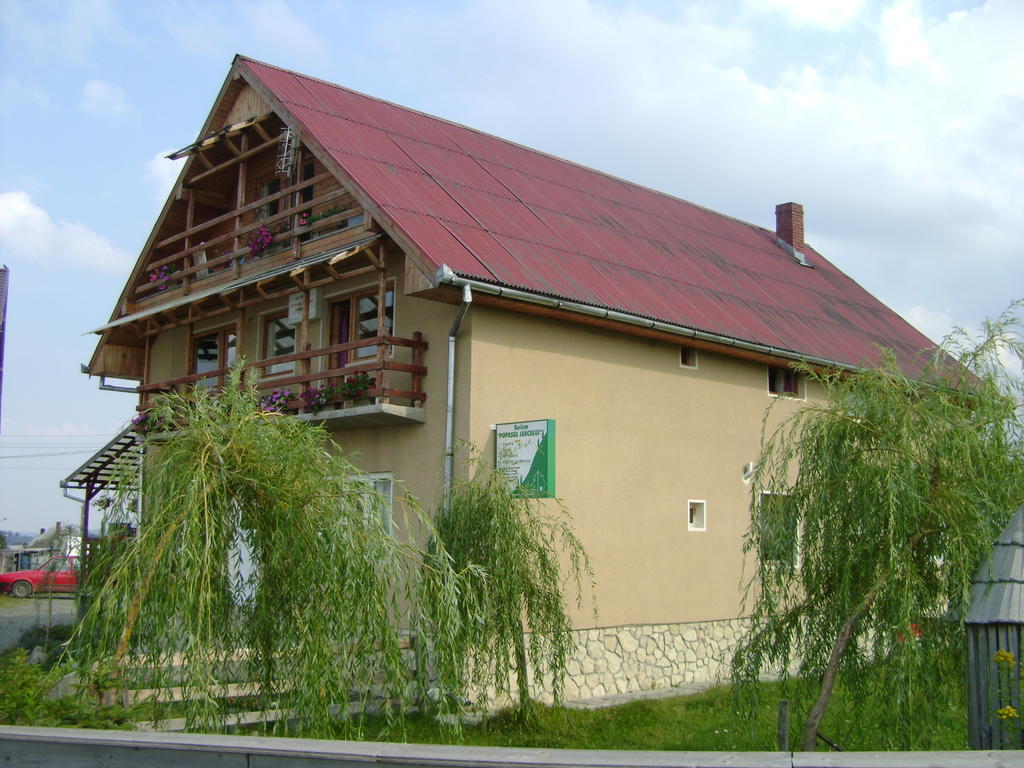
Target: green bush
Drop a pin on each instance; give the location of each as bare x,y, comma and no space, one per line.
23,698
51,639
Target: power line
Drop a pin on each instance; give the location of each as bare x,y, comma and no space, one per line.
54,453
91,435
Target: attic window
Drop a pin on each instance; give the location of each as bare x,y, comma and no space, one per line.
783,382
687,357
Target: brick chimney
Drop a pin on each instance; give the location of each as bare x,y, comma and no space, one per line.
789,224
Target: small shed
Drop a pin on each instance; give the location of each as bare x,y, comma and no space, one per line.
995,627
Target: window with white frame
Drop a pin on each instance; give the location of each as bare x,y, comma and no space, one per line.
779,534
377,497
783,382
687,357
697,515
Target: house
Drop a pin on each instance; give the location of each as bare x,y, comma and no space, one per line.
610,344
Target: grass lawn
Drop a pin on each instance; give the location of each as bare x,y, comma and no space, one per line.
702,722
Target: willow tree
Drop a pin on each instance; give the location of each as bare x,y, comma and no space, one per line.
259,556
870,513
521,622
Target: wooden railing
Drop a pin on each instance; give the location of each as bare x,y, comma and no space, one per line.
322,368
230,249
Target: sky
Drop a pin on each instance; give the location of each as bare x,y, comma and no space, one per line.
898,124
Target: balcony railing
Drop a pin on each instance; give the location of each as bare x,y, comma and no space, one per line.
219,246
325,367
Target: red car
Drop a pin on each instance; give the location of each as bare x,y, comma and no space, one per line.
58,574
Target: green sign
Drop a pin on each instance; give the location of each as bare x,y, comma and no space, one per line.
525,454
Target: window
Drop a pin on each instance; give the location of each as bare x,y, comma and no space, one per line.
278,340
783,381
356,318
267,186
377,497
687,357
366,319
697,516
779,536
211,352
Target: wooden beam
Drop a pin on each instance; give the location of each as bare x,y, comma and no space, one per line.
211,198
198,147
243,208
228,163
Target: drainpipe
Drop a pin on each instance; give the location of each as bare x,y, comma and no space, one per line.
449,418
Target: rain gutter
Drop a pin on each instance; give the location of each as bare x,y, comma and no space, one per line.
445,276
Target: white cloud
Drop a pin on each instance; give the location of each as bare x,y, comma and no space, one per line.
935,324
162,173
901,34
103,99
27,231
826,14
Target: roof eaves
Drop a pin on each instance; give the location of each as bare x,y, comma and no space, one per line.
445,276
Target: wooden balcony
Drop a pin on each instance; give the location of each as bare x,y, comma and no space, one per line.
385,402
222,248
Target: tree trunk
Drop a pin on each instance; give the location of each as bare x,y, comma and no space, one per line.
828,679
522,668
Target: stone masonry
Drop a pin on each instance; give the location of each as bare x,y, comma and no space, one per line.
614,660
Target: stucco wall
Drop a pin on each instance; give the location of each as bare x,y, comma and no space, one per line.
638,436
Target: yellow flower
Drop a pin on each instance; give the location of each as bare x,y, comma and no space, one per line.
1004,657
1007,713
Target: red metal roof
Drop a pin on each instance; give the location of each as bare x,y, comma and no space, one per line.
499,212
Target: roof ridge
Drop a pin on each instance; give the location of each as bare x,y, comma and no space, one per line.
510,142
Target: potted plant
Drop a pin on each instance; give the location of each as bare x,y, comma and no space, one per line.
355,387
277,401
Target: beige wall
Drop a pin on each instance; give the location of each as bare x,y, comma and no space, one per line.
637,437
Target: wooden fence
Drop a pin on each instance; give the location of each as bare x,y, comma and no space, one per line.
68,747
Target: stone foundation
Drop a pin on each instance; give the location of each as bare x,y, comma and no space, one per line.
643,657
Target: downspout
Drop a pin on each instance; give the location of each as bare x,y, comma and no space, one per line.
449,417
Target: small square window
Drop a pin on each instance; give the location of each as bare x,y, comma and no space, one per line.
783,381
697,519
687,357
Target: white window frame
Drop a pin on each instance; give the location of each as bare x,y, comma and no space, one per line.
383,484
700,524
798,380
798,554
